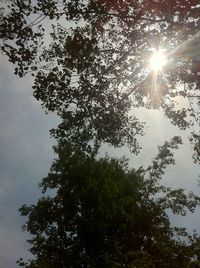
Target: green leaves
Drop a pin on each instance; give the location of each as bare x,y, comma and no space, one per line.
102,214
94,66
89,60
164,158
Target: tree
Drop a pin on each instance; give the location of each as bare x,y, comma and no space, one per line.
93,67
103,214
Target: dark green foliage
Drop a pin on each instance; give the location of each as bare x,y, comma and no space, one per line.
195,141
93,68
103,214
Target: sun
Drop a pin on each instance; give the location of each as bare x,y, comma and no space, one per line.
157,60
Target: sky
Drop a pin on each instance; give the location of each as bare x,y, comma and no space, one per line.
26,155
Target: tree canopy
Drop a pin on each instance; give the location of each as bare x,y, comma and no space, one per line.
103,214
90,61
90,64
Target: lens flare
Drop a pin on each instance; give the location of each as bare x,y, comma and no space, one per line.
157,60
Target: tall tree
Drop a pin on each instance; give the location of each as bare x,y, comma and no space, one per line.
90,60
102,214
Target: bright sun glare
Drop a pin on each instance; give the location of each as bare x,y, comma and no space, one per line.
157,60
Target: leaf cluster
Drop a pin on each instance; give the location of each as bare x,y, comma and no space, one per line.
93,66
103,214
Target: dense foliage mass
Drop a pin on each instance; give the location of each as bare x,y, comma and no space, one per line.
90,63
103,214
90,59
